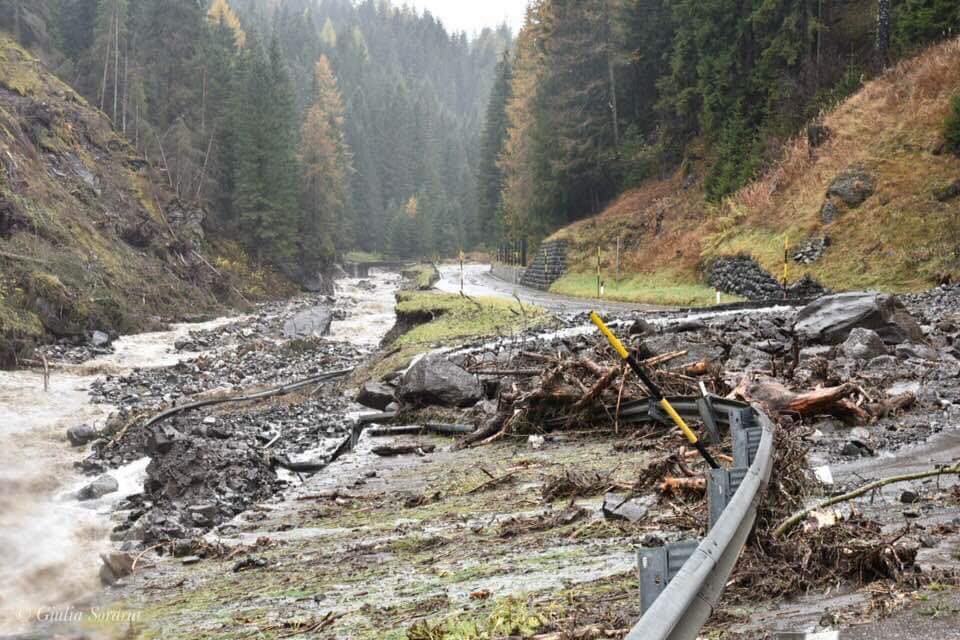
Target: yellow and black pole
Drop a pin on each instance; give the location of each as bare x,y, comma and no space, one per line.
654,389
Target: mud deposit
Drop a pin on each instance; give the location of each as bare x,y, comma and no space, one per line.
50,542
277,519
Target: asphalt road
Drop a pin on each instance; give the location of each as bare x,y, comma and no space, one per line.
478,281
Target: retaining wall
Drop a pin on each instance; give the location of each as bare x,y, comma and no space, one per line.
549,265
513,275
742,276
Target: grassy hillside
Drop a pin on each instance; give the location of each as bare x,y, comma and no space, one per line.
900,238
86,241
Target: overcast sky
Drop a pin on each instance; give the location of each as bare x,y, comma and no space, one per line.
473,15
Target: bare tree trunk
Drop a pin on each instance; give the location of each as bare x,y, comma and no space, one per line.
883,33
203,171
106,72
126,84
203,103
613,81
116,65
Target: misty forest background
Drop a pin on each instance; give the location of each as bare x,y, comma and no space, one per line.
310,128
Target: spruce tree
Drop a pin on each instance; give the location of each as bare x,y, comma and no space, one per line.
489,174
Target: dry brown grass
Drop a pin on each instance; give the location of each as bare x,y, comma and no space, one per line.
899,239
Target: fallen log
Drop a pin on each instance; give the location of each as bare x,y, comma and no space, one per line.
416,429
776,398
262,395
389,451
584,633
790,522
891,406
676,486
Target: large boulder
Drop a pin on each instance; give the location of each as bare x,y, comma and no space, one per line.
310,323
853,187
82,434
864,344
376,395
434,380
830,319
100,487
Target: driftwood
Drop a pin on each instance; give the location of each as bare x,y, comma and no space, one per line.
678,486
410,430
701,368
388,451
597,390
790,522
891,406
262,395
584,633
776,398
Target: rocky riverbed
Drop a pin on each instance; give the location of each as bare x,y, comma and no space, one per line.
277,516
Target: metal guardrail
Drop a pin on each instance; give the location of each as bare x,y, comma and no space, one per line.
685,604
689,595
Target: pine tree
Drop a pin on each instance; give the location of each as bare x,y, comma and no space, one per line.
224,46
490,176
326,167
266,194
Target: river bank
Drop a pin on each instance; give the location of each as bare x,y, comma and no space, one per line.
279,518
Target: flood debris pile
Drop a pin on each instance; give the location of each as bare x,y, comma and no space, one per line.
259,363
209,463
855,370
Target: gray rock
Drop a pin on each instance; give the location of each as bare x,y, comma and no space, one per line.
864,344
853,187
115,567
882,362
830,319
82,434
309,323
618,507
917,351
434,380
746,358
100,339
100,487
909,497
203,515
376,395
829,212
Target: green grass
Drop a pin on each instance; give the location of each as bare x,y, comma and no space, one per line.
447,320
455,317
662,287
423,275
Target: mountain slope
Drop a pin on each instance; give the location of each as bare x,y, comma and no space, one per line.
85,241
901,237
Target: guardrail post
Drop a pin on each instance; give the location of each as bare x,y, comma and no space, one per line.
659,566
721,486
746,437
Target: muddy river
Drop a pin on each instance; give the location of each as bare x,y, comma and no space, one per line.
49,542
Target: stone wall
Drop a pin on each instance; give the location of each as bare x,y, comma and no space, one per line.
549,265
742,276
513,275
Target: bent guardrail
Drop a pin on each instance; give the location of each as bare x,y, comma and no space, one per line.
684,606
684,601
